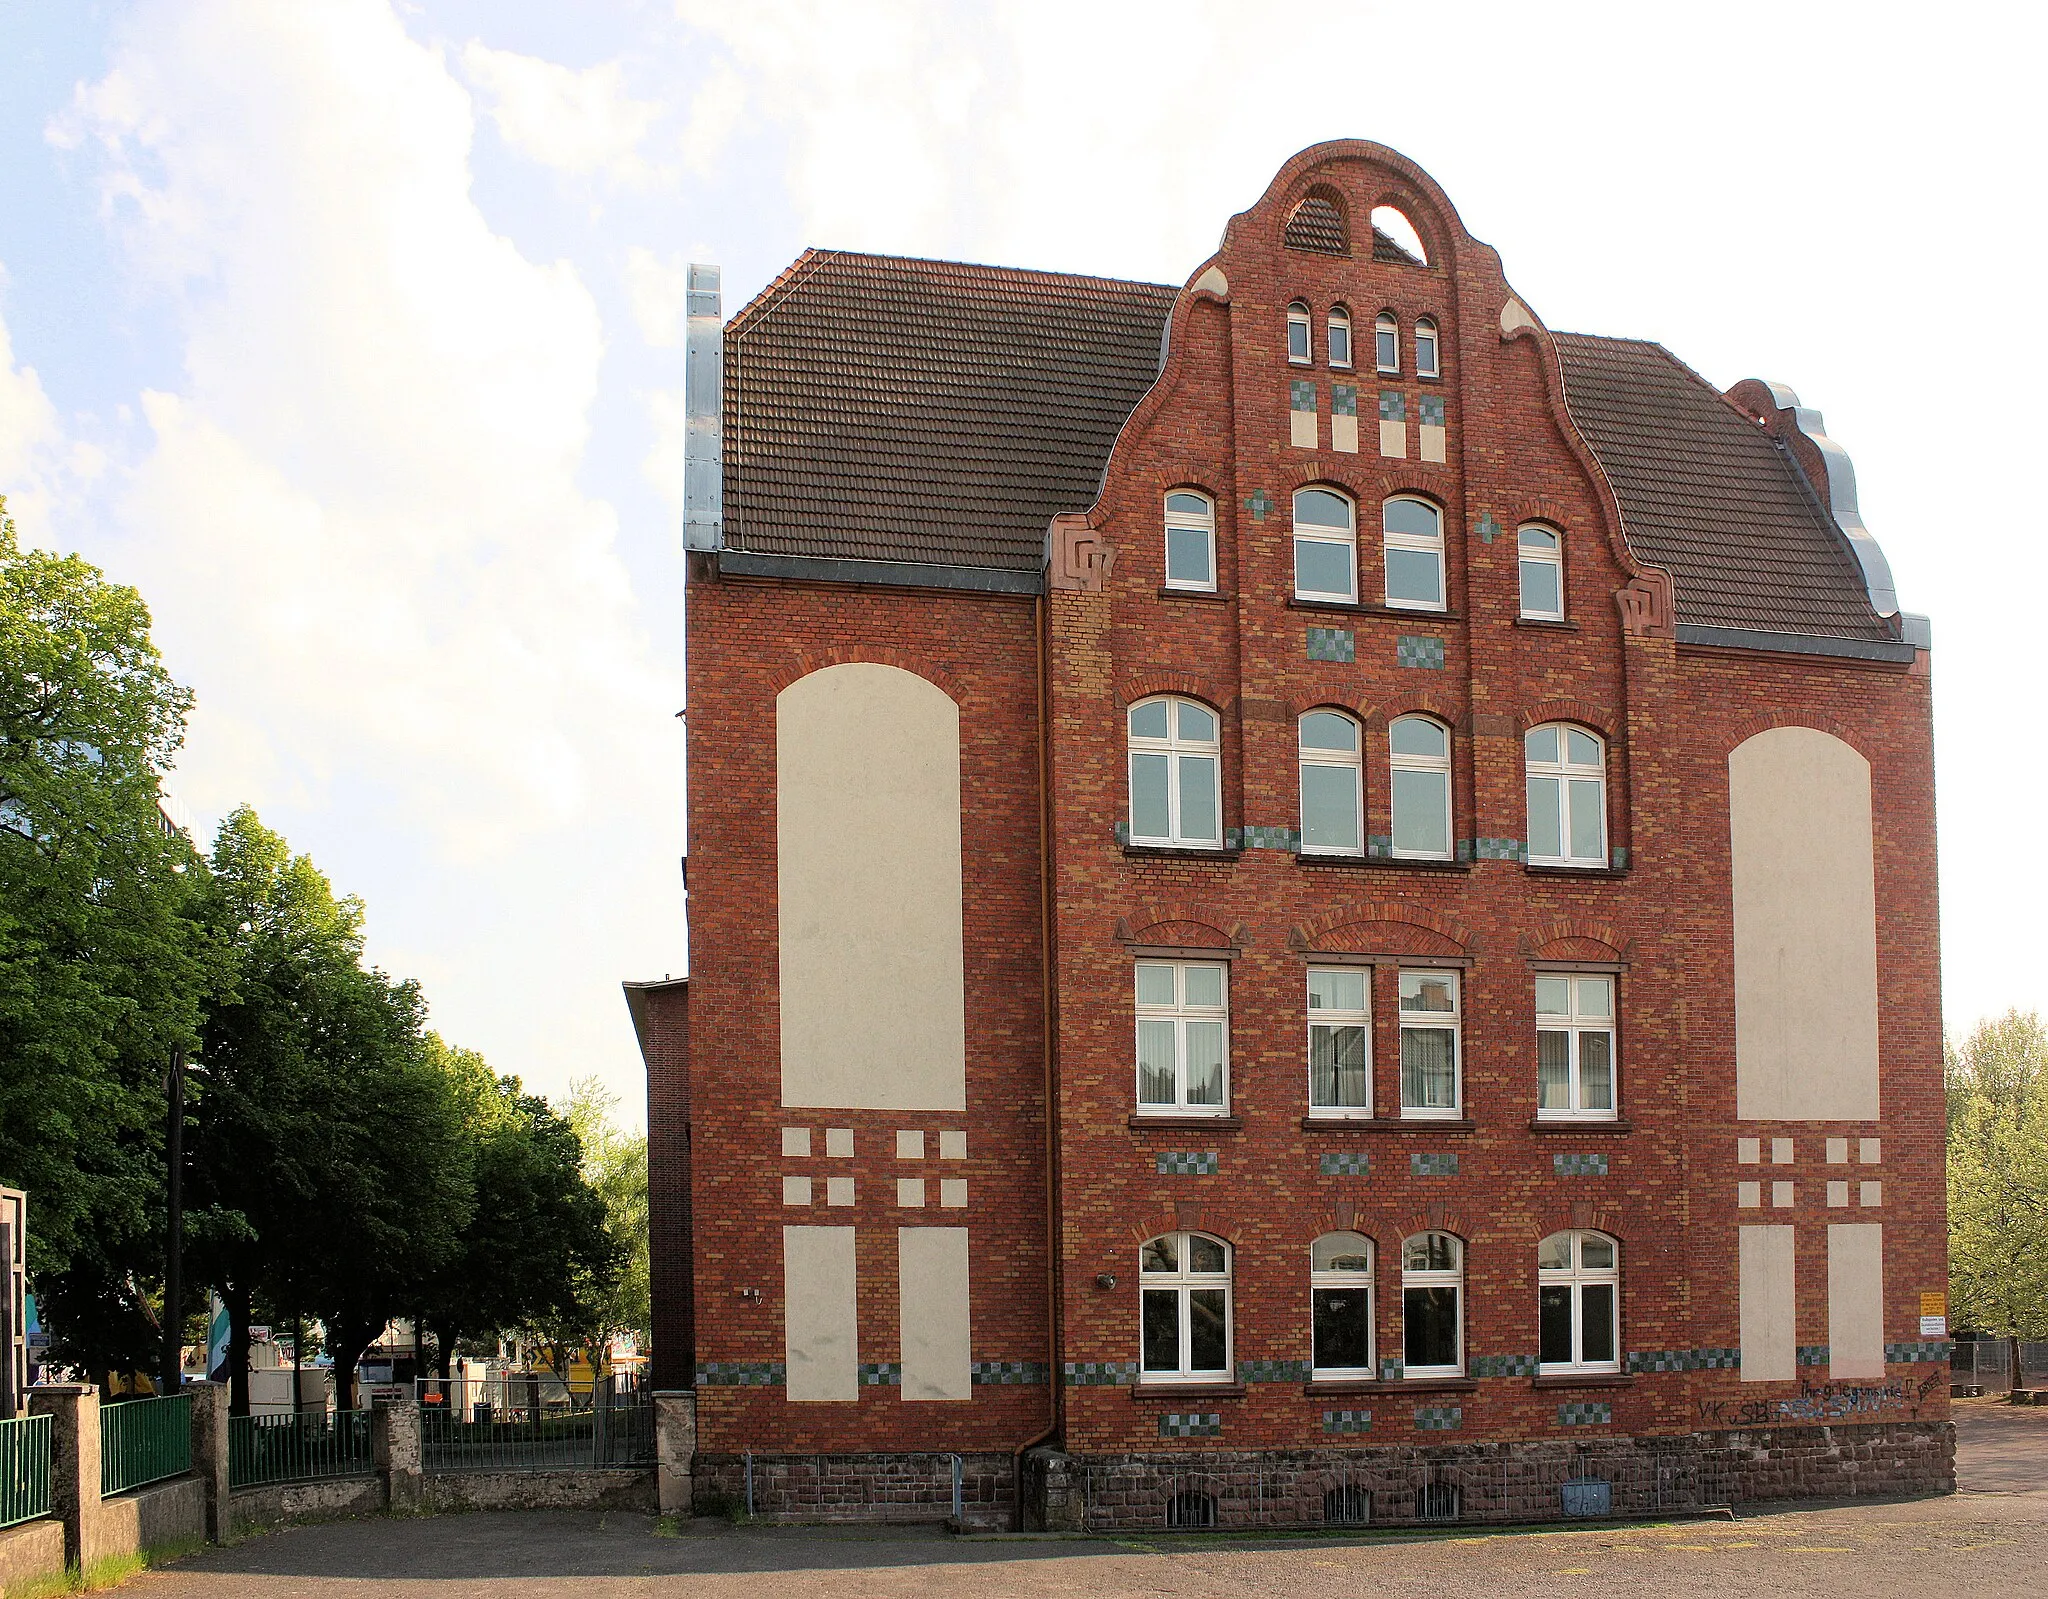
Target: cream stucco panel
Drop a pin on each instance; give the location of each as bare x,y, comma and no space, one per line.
1430,441
1301,429
1767,1308
931,1265
1799,816
820,1330
1394,440
867,765
1344,434
1855,1300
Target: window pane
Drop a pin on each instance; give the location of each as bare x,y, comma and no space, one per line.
1340,344
1594,995
1336,1061
1327,730
1329,990
1388,354
1586,819
1429,1325
1431,1252
1148,796
1321,508
1553,1071
1412,516
1343,1335
1297,338
1540,595
1162,1329
1596,1071
1596,1324
1581,749
1422,812
1208,1329
1429,1075
1194,723
1155,985
1554,1325
1418,735
1415,575
1553,996
1205,1063
1187,555
1541,743
1329,807
1204,985
1321,568
1596,1254
1198,820
1149,720
1155,1063
1341,1252
1545,838
1195,505
1555,1253
1536,538
1204,1254
1160,1254
1425,351
1428,991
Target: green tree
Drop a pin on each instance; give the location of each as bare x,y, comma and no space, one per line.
615,1166
1997,1082
103,962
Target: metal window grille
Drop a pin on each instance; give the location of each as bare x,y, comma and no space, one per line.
1191,1507
24,1469
301,1447
144,1440
1438,1501
1347,1505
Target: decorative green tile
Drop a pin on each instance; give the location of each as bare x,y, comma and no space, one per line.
1100,1373
1343,399
1813,1354
1585,1413
1429,410
881,1374
1619,858
1393,406
1008,1373
1579,1165
1259,503
1487,528
1331,644
1391,1369
1685,1360
1286,838
1497,849
1301,395
1443,1165
1347,1421
1419,649
1195,1424
1501,1365
1937,1349
740,1374
1273,1371
1348,1163
1439,1418
1186,1163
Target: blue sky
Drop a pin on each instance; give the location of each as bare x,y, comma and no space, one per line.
349,331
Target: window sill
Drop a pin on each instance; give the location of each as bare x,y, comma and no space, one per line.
1546,625
1400,863
1398,1385
1536,869
1585,1379
1589,1124
1167,1391
1354,608
1169,592
1178,852
1175,1121
1387,1124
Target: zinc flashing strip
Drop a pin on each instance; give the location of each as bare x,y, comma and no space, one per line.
893,574
1749,638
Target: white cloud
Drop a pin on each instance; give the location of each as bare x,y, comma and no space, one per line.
657,290
578,122
714,115
668,420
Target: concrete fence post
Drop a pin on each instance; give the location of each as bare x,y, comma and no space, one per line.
74,1412
395,1446
210,1455
675,1448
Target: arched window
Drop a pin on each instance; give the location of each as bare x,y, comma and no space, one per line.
1567,770
1386,342
1183,1037
1542,561
1431,1089
1184,1310
1574,1046
1578,1294
1425,348
1298,346
1432,1306
1420,750
1332,820
1176,761
1325,546
1340,1041
1414,554
1340,1296
1340,337
1190,540
1394,237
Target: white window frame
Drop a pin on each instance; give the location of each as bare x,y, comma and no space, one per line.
1417,542
1332,1017
1184,521
1453,1279
1177,749
1386,326
1575,1025
1399,762
1352,761
1563,773
1318,534
1180,1013
1427,337
1552,557
1300,322
1576,1278
1351,1280
1339,322
1434,1021
1181,1282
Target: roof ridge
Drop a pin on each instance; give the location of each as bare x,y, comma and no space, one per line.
985,266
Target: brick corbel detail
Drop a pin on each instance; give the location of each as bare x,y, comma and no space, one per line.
803,663
1648,605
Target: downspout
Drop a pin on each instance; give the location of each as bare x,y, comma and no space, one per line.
1040,622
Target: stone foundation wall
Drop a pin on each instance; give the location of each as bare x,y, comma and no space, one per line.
539,1490
873,1487
31,1553
328,1499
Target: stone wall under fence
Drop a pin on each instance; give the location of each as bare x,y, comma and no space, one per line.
613,1489
277,1504
863,1487
31,1552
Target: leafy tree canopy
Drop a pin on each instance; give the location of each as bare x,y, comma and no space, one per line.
1997,1083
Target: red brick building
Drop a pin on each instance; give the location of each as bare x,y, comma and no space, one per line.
1313,901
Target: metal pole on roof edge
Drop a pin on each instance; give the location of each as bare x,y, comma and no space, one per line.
703,402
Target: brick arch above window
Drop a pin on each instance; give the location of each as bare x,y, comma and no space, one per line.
1398,924
1566,938
1764,721
1582,712
1186,1216
802,663
1437,1217
1401,485
1182,917
1140,683
1577,1216
1548,511
1437,707
1357,710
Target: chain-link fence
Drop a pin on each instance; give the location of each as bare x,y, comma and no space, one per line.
1986,1364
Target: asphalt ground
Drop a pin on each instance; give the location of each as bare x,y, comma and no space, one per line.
1990,1538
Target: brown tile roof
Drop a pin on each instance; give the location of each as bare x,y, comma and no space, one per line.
1712,497
886,409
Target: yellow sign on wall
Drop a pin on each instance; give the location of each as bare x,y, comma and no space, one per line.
1934,1304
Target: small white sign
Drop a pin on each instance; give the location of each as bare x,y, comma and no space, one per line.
1934,1326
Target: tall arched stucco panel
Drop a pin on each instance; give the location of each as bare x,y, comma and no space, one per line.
1805,893
867,828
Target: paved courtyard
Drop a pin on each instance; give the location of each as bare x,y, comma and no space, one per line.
1989,1539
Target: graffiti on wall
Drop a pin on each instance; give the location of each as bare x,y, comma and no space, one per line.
1825,1401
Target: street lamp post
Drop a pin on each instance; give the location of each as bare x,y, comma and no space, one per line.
174,1286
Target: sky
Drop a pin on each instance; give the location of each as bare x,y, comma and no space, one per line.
350,332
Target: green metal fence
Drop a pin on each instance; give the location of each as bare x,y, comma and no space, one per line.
24,1469
584,1440
143,1440
298,1448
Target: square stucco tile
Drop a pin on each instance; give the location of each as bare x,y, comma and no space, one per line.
1781,1151
839,1142
838,1190
953,1145
1781,1195
1838,1195
910,1192
796,1190
1871,1151
909,1144
953,1193
1873,1195
796,1141
1838,1151
1749,1196
1749,1150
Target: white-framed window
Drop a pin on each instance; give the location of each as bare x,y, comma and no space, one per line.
1432,1306
1184,1308
1575,1057
1541,550
1190,540
1340,337
1325,546
1386,342
1176,773
1332,797
1415,554
1578,1299
1340,1297
1419,749
1183,1037
1425,348
1567,774
1340,1041
1299,349
1430,1087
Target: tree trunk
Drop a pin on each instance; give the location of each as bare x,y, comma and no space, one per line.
346,1341
237,1301
298,1361
444,1349
2019,1376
